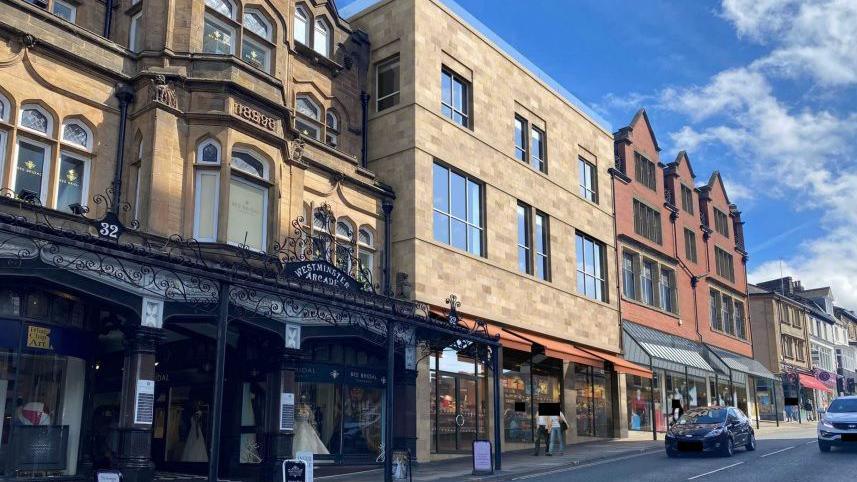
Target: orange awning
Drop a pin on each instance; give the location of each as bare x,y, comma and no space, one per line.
506,339
808,381
559,349
620,365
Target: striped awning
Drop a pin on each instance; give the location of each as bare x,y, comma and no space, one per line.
742,363
667,351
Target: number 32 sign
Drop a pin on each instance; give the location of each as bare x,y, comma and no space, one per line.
109,227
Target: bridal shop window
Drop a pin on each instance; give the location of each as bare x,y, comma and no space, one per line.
42,396
188,430
252,422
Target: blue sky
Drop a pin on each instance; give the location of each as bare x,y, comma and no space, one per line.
763,90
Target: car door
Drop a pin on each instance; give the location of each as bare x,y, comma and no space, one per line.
733,424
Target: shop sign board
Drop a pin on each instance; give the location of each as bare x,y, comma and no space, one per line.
483,464
294,471
108,476
330,373
322,272
287,411
307,458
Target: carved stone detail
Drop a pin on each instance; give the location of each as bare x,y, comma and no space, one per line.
163,92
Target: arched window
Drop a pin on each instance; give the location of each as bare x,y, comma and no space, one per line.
73,179
35,119
365,254
321,37
218,35
332,128
256,43
301,27
5,109
308,118
33,157
248,200
206,191
322,239
344,245
77,134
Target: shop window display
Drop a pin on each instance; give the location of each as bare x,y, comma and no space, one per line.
593,408
458,408
517,405
639,393
318,418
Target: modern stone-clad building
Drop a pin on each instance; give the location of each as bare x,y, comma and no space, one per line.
193,275
683,289
504,201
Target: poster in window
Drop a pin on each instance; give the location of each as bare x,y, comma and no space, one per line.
246,214
31,163
287,411
70,182
144,407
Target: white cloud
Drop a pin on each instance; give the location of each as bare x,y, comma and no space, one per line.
801,152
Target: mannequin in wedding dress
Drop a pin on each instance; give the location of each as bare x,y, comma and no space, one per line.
194,447
306,437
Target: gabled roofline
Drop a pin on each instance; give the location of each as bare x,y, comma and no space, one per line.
708,186
677,162
642,113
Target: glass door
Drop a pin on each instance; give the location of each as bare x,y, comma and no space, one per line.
467,419
447,414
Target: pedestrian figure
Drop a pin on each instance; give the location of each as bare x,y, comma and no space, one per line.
807,405
558,426
541,434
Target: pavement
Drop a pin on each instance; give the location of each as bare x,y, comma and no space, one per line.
784,453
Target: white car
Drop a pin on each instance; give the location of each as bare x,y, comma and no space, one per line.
838,425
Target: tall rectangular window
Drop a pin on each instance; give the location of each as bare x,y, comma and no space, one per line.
687,199
71,185
690,245
667,290
455,97
588,178
524,246
727,314
387,89
629,278
721,222
647,222
457,210
31,170
723,261
541,242
647,283
645,172
591,268
134,43
740,326
537,150
520,139
714,310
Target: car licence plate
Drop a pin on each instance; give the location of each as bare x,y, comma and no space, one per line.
849,437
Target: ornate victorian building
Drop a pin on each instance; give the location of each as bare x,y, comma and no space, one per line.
193,248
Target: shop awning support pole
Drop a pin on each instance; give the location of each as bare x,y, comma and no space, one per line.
776,407
799,419
388,412
755,398
495,367
219,374
655,416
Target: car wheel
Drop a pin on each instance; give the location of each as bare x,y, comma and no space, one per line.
729,448
751,442
823,446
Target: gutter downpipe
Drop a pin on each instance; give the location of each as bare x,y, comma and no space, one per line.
125,94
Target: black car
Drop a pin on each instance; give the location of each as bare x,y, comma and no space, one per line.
710,430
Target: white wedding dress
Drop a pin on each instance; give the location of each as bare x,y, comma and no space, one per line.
306,438
194,447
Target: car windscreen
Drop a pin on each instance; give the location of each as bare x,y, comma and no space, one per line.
843,405
717,415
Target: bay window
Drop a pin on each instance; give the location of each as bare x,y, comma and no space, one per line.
218,38
332,129
321,37
207,191
247,218
308,118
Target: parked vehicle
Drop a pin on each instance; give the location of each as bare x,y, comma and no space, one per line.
837,426
710,430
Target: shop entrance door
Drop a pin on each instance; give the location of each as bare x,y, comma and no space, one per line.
362,423
457,413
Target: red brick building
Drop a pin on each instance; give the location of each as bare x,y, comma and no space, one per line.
683,284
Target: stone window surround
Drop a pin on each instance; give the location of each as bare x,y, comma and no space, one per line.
312,18
321,123
358,244
53,141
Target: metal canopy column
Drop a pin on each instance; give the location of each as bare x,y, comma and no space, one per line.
388,409
495,367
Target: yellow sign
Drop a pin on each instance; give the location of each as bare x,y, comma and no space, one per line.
39,337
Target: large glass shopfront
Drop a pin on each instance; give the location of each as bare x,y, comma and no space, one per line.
339,402
639,402
593,401
527,381
459,406
45,342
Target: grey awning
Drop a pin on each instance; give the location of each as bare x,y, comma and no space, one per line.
666,351
743,364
